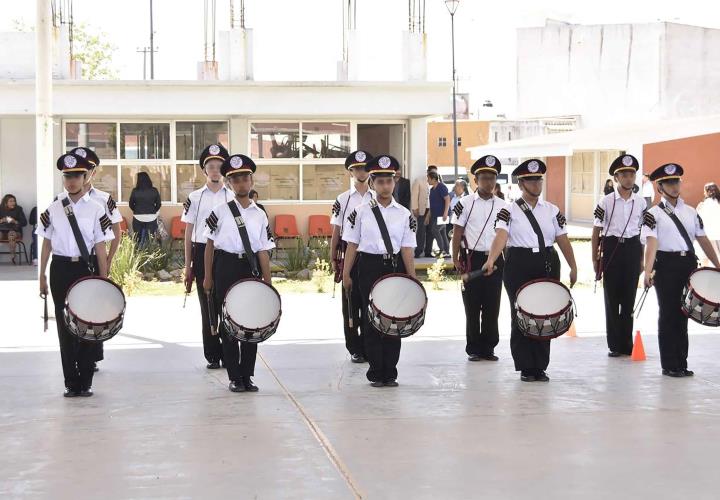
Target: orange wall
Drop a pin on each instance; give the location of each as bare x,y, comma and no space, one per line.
472,133
699,156
555,181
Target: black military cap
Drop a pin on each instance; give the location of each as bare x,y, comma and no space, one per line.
358,158
213,152
88,154
238,164
530,169
70,163
383,166
487,163
623,163
669,171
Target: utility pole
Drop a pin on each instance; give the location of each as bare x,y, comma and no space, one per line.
152,45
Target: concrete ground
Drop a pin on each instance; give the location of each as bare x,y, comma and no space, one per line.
161,426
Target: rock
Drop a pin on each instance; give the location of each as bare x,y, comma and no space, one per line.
163,275
149,276
176,273
305,274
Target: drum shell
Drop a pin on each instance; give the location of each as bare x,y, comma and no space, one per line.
527,320
80,327
698,308
404,326
243,333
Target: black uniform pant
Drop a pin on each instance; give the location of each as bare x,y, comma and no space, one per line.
382,351
239,360
421,235
522,265
672,271
77,356
481,298
211,343
354,341
621,271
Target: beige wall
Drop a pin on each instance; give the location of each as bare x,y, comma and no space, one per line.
472,133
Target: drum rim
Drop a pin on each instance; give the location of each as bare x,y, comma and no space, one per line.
274,322
402,275
544,316
694,290
91,323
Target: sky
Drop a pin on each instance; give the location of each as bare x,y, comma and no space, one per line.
302,39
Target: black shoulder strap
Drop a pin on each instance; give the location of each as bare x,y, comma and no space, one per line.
679,225
382,226
244,237
84,254
536,227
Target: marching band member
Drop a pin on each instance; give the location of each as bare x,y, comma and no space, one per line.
74,255
370,246
196,209
618,217
230,260
473,234
668,230
530,227
345,203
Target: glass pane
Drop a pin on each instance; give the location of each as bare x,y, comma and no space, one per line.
159,175
144,141
106,179
100,137
189,178
326,140
278,182
324,182
383,139
275,140
192,137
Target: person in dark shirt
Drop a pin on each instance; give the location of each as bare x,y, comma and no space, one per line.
145,204
12,220
439,207
254,196
402,190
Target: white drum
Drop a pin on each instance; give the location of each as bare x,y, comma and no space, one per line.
251,310
701,297
397,305
544,309
94,309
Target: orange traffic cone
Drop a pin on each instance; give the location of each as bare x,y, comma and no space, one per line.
571,332
638,352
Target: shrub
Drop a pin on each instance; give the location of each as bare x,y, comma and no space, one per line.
436,273
298,257
128,263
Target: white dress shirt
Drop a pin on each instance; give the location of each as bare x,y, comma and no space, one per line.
615,215
198,206
657,224
222,229
104,199
512,219
362,228
92,220
347,202
478,217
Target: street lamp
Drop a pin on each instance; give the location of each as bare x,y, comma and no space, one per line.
452,6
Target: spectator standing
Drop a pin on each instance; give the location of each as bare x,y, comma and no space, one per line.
439,208
12,220
709,211
145,204
648,191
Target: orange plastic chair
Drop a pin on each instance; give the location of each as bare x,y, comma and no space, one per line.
124,226
286,226
177,229
319,226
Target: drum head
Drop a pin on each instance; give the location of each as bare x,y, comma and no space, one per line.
398,296
252,303
543,298
95,300
706,282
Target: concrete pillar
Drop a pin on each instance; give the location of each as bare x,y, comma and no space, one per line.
417,148
414,56
43,104
235,54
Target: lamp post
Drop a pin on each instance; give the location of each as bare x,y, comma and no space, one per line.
452,6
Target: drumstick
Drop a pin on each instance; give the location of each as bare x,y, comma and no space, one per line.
211,313
474,274
45,312
350,308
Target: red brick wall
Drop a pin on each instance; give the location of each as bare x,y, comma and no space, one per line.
555,181
699,156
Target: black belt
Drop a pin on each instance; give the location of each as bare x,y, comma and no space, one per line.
63,258
479,252
523,250
634,239
196,244
675,254
378,256
240,256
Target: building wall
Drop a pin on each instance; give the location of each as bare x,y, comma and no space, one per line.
472,133
17,163
699,156
555,181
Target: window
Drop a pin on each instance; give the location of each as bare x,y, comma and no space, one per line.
189,178
192,137
144,141
275,140
325,140
278,182
106,179
100,137
324,182
582,173
442,142
159,175
459,141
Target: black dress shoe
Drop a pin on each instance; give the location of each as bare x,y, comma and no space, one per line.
527,377
96,368
236,387
69,393
688,373
391,383
674,373
86,393
490,357
377,384
475,357
213,365
614,354
357,358
249,386
542,377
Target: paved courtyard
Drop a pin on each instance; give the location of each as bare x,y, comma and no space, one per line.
161,426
